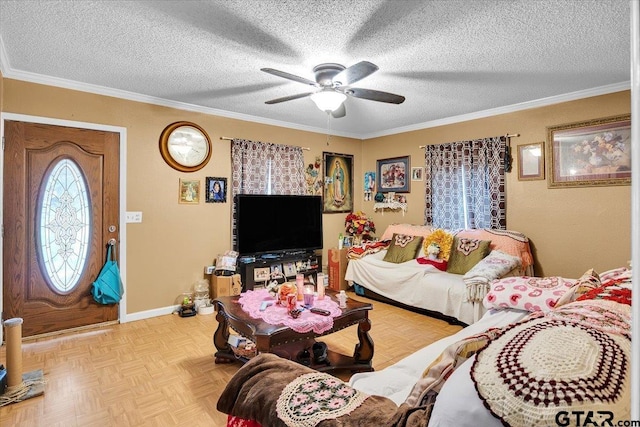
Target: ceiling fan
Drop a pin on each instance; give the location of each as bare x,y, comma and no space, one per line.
332,82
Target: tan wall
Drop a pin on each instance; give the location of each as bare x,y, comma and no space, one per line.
571,229
166,253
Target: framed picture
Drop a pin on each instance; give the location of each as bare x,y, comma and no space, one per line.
591,153
216,190
261,274
189,191
531,161
276,271
416,174
289,269
338,183
392,175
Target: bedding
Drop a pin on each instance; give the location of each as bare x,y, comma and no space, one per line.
512,367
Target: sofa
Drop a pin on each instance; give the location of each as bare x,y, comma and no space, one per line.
525,363
397,268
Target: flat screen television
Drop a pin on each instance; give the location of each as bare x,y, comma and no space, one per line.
276,224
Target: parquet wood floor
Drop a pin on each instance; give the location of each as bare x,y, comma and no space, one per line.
161,371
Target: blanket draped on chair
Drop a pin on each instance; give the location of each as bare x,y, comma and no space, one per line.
277,392
495,265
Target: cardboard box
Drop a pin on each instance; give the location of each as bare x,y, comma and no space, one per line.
222,286
337,266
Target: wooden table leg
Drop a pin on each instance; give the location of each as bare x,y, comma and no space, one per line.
363,352
221,338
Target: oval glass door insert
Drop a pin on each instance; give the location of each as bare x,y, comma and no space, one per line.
64,227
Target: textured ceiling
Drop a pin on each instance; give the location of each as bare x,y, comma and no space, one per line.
450,59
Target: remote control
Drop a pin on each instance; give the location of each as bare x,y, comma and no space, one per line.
320,311
264,305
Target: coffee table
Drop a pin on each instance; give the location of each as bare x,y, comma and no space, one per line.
287,343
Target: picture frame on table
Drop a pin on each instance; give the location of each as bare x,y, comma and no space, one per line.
189,191
338,183
276,271
289,269
589,153
216,190
531,161
393,174
261,274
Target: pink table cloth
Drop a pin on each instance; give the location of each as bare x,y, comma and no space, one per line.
277,315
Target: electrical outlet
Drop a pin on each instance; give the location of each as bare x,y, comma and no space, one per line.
209,269
133,217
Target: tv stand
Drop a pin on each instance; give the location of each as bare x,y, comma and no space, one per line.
254,272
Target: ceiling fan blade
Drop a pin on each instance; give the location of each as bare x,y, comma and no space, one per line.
289,76
355,73
340,112
288,98
375,95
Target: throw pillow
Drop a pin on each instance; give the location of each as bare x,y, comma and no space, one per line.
465,253
527,293
408,229
588,281
402,248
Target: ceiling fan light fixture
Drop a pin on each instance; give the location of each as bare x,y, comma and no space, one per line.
328,100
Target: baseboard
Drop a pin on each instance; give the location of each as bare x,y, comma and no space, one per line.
148,314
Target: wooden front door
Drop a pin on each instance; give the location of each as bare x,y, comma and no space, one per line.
61,207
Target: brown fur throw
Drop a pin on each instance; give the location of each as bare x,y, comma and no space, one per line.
254,392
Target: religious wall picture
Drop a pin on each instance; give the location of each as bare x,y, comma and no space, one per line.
393,174
189,191
590,153
338,183
216,190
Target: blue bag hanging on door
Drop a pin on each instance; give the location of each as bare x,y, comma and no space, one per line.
107,288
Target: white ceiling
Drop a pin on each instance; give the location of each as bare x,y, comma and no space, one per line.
452,60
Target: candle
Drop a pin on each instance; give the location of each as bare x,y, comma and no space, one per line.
299,285
291,302
308,296
320,285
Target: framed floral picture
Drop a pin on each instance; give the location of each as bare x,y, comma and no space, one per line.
189,191
338,183
590,153
393,174
216,190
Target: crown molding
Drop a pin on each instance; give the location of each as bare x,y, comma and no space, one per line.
542,102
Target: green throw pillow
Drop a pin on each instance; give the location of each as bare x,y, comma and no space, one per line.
465,253
403,248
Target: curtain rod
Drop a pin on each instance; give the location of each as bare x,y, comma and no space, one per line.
226,138
509,135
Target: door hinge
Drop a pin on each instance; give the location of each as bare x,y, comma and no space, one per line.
3,143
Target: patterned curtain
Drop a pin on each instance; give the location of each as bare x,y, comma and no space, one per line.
464,184
265,168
